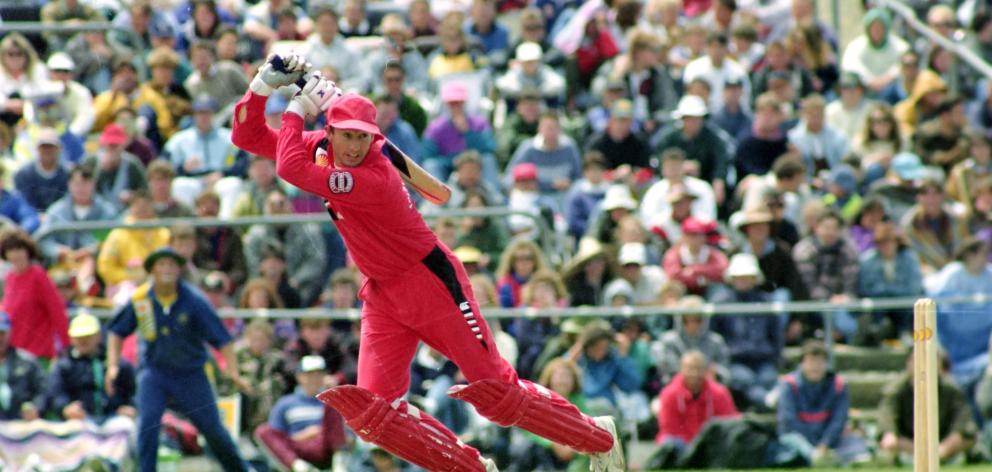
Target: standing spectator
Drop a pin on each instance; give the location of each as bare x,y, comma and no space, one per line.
933,229
828,264
554,154
118,173
37,315
875,55
618,142
956,430
520,260
265,368
716,67
690,401
821,146
303,433
81,204
305,250
23,385
75,391
691,333
326,47
813,403
173,351
692,261
219,248
490,33
780,276
703,143
586,194
160,175
456,131
399,53
758,149
754,341
848,113
120,261
224,81
45,180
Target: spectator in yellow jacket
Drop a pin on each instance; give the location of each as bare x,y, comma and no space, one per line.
120,263
124,92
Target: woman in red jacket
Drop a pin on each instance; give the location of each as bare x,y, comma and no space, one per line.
39,322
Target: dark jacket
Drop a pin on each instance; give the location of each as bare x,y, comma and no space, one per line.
221,251
779,269
895,412
80,378
26,381
816,411
752,340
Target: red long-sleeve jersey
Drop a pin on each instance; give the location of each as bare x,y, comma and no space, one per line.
384,232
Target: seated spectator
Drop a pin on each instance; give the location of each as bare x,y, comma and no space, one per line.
302,433
46,179
933,229
980,216
732,118
160,175
94,53
118,173
488,235
813,404
526,197
223,81
878,142
122,255
305,250
75,391
203,150
182,238
701,142
863,226
692,261
317,339
607,369
842,192
467,179
645,280
543,291
137,144
780,276
354,19
430,378
691,400
828,265
899,187
586,194
21,72
67,12
272,269
964,328
555,155
453,57
396,130
219,248
657,203
76,100
647,82
123,92
875,54
941,140
483,27
618,142
528,72
753,341
778,66
848,113
890,270
261,23
326,47
757,150
24,386
37,314
564,378
965,177
787,178
588,273
956,430
821,146
716,67
921,104
261,180
81,204
598,115
617,204
394,84
401,67
520,125
690,333
265,368
47,111
455,132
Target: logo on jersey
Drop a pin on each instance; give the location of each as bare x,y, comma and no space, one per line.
340,182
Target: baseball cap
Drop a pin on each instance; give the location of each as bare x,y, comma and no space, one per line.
633,253
48,136
204,103
529,51
4,321
60,61
623,108
113,134
525,171
733,81
160,253
693,225
353,111
84,324
454,92
907,166
690,105
311,364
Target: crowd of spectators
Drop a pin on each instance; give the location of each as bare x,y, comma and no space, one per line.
685,152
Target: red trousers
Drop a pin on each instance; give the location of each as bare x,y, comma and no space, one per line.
318,450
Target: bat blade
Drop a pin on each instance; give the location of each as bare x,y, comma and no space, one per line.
425,184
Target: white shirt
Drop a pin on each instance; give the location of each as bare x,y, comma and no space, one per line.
703,68
655,208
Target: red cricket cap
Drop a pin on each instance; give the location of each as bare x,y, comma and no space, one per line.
353,111
113,134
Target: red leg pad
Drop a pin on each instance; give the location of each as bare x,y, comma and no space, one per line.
535,410
403,434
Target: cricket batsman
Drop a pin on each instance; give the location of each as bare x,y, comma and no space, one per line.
415,289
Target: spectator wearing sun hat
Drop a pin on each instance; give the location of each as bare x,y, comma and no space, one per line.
529,72
701,142
692,261
645,279
781,276
656,204
75,391
615,205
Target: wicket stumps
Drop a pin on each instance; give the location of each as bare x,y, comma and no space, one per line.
925,426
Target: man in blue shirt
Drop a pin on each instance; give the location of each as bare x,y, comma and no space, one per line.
174,322
491,35
303,433
202,149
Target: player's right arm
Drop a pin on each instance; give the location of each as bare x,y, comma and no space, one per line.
250,131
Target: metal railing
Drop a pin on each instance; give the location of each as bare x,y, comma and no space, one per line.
39,27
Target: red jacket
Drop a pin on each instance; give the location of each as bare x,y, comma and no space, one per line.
683,415
37,313
696,277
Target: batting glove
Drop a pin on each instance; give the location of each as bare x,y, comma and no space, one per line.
315,97
277,72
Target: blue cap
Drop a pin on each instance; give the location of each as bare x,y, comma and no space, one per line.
843,177
161,28
907,166
4,321
204,103
160,253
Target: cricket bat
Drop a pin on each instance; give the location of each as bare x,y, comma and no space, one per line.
421,181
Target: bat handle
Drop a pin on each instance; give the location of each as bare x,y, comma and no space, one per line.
280,66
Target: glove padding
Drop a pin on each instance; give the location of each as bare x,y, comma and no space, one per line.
315,97
270,77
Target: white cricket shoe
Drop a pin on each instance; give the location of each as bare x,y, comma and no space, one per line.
612,460
490,465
